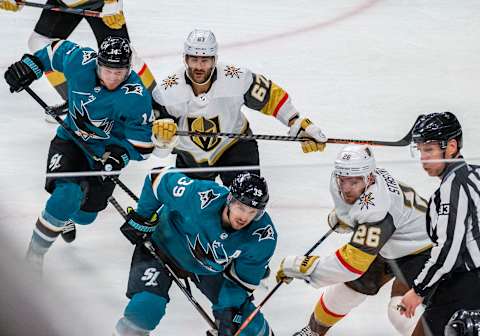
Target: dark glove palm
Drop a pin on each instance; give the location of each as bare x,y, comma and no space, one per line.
21,74
115,158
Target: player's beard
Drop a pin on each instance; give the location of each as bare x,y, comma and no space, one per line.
200,77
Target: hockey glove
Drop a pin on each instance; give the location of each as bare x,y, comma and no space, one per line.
115,158
163,136
299,267
303,127
164,130
336,224
10,5
228,321
138,229
112,14
21,74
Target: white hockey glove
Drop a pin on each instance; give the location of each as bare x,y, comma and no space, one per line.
299,267
336,224
10,5
112,14
303,127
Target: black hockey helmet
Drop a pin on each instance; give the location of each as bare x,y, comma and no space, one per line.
115,52
439,127
464,323
251,190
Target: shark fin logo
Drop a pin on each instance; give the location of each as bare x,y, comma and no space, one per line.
88,128
212,256
88,56
206,197
265,233
133,88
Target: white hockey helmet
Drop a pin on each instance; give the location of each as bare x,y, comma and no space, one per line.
355,160
201,42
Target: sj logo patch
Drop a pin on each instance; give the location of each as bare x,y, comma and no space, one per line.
150,277
201,124
55,162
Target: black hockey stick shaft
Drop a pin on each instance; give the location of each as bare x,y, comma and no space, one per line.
405,141
76,11
277,286
75,139
185,290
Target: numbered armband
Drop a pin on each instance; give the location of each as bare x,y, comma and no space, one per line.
258,94
370,237
412,200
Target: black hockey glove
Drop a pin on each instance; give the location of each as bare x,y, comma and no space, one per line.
21,74
228,321
115,158
138,229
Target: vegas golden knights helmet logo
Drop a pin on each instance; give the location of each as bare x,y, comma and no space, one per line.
200,124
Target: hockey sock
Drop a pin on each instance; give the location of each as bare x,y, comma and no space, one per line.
45,232
145,310
65,200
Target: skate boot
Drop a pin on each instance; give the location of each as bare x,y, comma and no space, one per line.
306,331
69,232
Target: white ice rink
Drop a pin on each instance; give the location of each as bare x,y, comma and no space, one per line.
358,68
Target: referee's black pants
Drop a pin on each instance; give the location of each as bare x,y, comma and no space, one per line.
457,291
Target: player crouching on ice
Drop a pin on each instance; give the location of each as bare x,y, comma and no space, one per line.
389,240
109,111
221,239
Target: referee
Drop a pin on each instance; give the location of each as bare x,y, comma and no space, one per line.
451,277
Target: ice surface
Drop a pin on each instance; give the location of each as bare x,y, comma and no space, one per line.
357,68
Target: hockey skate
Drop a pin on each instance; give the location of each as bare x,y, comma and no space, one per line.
306,331
35,260
69,232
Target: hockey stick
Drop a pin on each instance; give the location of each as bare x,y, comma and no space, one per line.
185,290
77,11
74,137
277,286
405,141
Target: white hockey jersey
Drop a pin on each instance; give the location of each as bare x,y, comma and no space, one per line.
218,110
388,219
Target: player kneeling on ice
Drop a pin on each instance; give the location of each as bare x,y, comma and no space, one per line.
207,96
389,240
109,109
221,239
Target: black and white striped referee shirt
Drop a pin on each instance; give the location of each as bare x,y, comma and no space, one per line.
453,225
